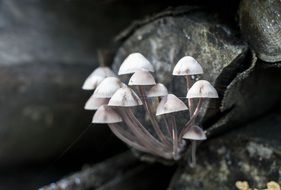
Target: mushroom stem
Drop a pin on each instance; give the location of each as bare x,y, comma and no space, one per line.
152,118
193,154
125,136
192,118
188,86
169,131
187,127
129,139
175,137
149,136
143,136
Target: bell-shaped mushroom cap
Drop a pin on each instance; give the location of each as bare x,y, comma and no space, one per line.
125,97
169,104
157,90
95,78
107,87
202,89
142,78
94,103
187,66
106,114
92,82
195,133
134,62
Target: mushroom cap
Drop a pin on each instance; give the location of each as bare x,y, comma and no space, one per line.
195,133
95,78
105,114
142,78
157,90
125,97
92,82
187,66
94,103
202,89
134,62
107,87
169,104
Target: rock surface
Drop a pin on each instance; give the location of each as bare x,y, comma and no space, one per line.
250,154
260,23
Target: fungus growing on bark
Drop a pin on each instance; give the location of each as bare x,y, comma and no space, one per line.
96,77
124,97
106,114
157,90
141,78
133,63
107,87
163,137
170,104
202,89
195,133
94,103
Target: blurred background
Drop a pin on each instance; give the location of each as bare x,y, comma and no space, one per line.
47,49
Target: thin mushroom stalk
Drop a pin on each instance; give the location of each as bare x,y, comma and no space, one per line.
115,103
189,83
152,118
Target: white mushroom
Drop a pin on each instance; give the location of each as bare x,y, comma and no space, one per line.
94,103
187,66
125,97
108,87
106,114
202,89
195,133
169,104
133,63
96,77
142,78
157,90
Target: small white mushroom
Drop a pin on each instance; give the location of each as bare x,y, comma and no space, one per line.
169,104
202,89
125,97
195,133
133,63
108,87
142,78
96,77
106,114
187,66
94,103
157,90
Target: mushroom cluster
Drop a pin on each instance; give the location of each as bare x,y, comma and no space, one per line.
114,101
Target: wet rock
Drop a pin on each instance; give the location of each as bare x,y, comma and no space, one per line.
252,94
250,154
260,23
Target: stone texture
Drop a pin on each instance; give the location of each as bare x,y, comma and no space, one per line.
260,23
250,154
